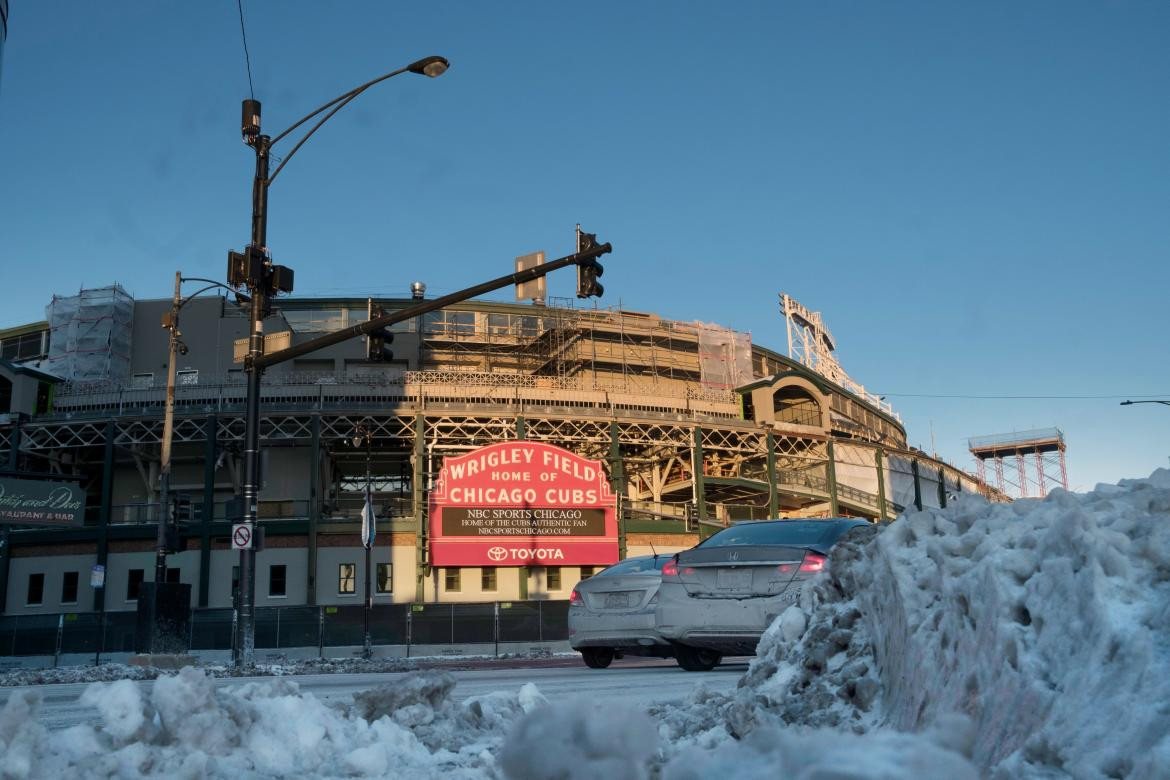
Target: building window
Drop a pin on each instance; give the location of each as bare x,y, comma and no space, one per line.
134,579
586,572
451,579
385,578
69,587
188,376
346,576
276,580
36,589
553,577
141,381
487,579
173,575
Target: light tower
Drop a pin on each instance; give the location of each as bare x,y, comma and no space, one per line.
1039,451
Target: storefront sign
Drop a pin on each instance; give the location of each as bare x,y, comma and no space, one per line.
521,503
36,502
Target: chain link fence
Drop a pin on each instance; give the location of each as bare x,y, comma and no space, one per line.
297,627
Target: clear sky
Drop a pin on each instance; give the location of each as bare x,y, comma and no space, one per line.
976,195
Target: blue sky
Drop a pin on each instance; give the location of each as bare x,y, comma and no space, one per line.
975,195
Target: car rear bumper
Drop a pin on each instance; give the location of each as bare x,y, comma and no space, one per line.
731,626
593,629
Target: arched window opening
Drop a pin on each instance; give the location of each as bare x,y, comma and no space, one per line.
795,405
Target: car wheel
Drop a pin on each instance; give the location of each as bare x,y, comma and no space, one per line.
597,657
696,659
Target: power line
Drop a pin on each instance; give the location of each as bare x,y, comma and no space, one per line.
247,59
1022,397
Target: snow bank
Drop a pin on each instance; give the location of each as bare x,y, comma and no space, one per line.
187,728
1043,624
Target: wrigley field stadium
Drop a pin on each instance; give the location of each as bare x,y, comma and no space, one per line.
508,451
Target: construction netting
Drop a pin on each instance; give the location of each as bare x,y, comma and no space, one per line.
725,357
89,334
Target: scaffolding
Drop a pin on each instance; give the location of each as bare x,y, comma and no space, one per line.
90,333
1025,464
602,349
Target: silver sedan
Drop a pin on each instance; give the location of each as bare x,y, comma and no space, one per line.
611,614
719,596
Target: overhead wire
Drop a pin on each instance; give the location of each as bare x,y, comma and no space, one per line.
247,58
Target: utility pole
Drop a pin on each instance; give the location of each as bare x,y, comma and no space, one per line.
171,323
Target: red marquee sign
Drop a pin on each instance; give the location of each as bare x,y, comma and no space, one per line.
522,503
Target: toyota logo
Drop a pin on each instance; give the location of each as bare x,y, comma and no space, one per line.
497,553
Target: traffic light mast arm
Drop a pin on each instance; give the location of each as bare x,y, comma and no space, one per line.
345,334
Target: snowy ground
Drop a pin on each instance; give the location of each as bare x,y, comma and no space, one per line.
1029,640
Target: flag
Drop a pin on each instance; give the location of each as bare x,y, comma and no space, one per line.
368,522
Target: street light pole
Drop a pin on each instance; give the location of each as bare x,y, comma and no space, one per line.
245,644
259,280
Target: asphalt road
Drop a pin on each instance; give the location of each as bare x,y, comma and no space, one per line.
634,681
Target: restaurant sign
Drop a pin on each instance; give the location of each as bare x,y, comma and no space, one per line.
36,502
522,503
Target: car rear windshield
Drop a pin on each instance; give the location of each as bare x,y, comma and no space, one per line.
796,534
635,566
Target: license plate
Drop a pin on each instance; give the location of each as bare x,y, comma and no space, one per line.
734,579
617,600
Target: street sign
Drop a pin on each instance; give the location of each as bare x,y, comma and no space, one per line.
97,576
272,343
242,536
535,289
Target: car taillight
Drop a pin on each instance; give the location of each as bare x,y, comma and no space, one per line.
575,599
670,569
812,562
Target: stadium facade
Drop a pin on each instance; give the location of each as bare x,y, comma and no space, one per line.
694,426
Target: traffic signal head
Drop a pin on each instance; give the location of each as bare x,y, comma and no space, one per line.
378,345
378,341
587,284
589,270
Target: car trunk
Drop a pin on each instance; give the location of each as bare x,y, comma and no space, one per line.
737,572
618,593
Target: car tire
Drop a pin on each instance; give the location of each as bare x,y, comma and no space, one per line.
696,659
597,657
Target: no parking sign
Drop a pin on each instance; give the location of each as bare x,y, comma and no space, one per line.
242,536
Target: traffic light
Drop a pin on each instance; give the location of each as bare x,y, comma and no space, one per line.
378,341
182,511
588,270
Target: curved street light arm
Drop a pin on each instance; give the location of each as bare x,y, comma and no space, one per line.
212,284
1131,403
309,134
352,93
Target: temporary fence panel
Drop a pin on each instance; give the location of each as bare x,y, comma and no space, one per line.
430,624
344,626
211,629
519,621
473,623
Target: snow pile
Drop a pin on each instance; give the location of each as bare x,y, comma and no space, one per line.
582,740
1043,624
186,728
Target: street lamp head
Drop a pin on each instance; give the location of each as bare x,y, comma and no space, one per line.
1127,403
430,66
